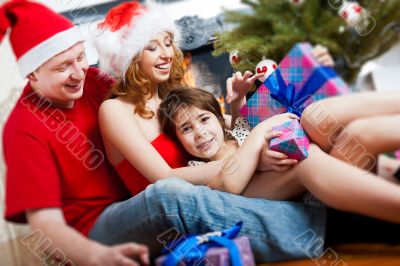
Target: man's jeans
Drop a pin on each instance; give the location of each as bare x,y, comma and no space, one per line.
277,230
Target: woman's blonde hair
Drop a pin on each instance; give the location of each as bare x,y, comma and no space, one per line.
136,86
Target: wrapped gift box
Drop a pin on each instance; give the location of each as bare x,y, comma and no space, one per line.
301,74
219,256
293,142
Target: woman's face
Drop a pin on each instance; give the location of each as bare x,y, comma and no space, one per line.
200,132
156,58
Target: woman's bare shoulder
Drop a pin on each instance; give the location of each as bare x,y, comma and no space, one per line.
116,104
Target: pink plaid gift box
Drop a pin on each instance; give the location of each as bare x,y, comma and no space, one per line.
293,142
297,68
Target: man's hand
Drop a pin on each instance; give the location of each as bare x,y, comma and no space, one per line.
129,254
323,56
79,249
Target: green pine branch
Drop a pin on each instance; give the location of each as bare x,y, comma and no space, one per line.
274,26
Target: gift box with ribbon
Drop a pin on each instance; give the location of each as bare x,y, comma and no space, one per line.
216,248
293,142
297,82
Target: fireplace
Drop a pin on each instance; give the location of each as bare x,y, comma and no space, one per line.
202,69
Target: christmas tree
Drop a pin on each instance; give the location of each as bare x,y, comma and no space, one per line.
353,34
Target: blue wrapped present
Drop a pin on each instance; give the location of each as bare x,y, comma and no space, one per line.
298,81
215,248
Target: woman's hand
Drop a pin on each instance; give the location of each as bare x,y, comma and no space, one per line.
323,56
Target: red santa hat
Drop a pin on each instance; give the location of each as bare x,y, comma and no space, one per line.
37,33
126,30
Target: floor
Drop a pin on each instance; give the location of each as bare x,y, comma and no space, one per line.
353,255
378,261
15,253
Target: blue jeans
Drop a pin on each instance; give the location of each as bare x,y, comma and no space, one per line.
278,230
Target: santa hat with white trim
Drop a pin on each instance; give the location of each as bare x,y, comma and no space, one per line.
37,33
126,30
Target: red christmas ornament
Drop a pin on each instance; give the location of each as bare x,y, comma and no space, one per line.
234,58
266,66
352,12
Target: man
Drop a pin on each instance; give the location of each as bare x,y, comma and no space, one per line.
59,181
56,172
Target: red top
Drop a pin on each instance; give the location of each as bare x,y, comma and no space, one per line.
172,153
55,158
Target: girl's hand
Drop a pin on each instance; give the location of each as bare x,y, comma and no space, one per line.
323,56
238,85
273,160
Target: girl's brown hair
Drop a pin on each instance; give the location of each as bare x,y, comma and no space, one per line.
136,86
180,98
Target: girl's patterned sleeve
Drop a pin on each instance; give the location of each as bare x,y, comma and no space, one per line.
241,130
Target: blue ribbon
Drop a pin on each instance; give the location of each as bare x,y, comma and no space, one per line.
286,94
192,248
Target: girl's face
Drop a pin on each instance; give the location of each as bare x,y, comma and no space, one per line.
200,132
156,58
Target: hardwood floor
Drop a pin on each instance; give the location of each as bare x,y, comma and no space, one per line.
376,261
14,253
371,254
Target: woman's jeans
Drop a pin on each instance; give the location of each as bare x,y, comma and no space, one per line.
278,230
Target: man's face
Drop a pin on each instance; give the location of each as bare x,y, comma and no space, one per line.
61,78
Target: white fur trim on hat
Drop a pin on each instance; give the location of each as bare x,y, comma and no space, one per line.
42,52
117,49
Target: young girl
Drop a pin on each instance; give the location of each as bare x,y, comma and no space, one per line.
193,117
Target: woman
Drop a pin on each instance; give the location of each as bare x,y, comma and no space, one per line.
146,67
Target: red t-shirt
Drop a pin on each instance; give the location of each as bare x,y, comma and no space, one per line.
55,158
